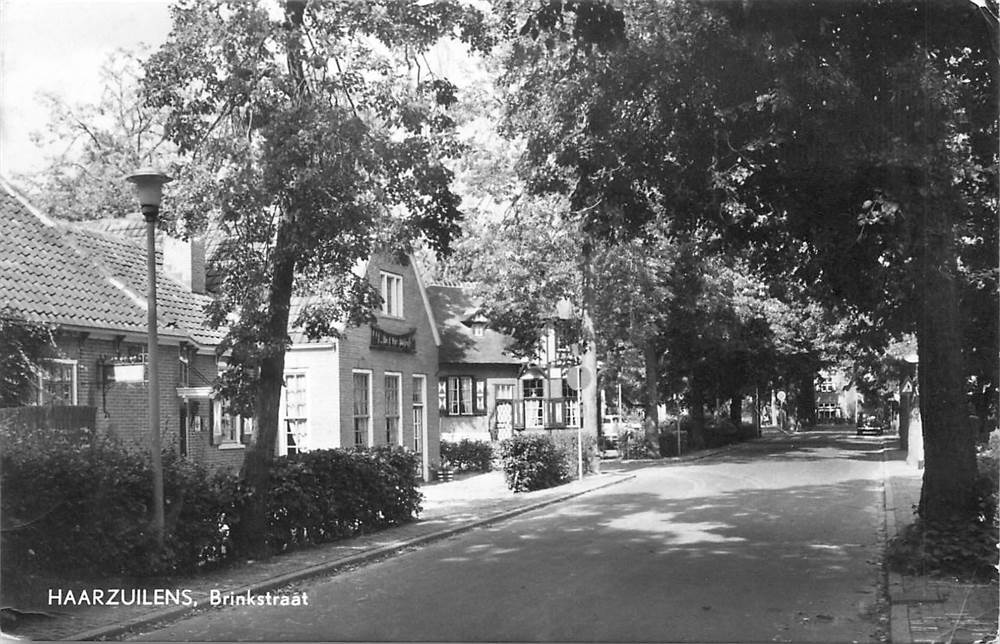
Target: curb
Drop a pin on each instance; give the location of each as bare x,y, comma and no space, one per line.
108,632
899,613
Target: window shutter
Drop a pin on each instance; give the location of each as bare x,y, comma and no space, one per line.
443,397
479,394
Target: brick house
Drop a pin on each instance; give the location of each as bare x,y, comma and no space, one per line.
89,286
486,393
373,384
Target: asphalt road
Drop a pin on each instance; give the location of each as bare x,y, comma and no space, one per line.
775,541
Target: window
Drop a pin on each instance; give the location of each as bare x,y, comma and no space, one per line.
419,384
229,429
571,415
184,369
295,413
465,396
826,384
393,409
392,295
479,330
534,408
362,407
57,383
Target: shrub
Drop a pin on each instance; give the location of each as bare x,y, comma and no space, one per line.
721,432
84,502
565,442
633,444
668,443
326,495
532,462
468,455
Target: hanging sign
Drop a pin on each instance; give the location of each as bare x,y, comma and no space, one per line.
403,342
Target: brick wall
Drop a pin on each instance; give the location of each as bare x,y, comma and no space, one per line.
123,407
356,353
455,428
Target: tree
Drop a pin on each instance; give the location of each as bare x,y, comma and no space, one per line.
325,137
881,150
23,345
91,148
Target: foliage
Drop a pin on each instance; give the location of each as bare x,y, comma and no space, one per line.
966,549
532,462
468,455
327,141
325,495
565,442
23,345
634,445
79,501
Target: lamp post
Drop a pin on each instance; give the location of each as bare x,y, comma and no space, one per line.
149,188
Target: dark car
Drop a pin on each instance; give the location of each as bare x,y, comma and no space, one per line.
870,424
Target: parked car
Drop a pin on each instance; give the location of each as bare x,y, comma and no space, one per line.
870,424
607,440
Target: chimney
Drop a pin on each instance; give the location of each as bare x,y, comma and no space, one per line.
185,261
197,264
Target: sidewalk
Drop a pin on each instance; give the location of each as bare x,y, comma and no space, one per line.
925,609
449,508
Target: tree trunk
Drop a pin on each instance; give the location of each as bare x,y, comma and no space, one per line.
250,535
697,398
589,409
949,447
806,400
736,409
651,357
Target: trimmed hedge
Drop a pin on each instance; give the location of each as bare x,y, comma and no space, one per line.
565,442
326,495
468,455
532,462
83,503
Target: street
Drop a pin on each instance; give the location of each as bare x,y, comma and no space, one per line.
774,540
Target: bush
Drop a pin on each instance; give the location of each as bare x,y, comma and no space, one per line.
83,502
668,443
326,495
721,432
565,442
468,455
634,445
532,462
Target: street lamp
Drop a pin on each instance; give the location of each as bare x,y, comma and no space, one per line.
149,189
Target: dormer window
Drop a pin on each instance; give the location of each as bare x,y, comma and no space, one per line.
392,295
478,329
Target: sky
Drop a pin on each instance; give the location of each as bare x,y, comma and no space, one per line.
58,46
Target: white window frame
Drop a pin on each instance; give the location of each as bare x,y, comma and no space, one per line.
43,373
391,289
229,428
398,377
300,445
370,429
419,429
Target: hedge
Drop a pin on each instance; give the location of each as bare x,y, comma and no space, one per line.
325,495
565,443
83,504
468,455
532,462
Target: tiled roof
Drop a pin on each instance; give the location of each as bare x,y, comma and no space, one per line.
70,276
453,306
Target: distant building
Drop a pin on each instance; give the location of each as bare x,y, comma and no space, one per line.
836,399
486,393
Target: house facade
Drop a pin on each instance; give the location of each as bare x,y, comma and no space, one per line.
89,286
484,392
372,385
